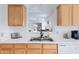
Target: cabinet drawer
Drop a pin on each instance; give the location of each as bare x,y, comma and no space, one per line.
39,51
49,51
6,51
50,46
20,46
6,46
20,51
34,46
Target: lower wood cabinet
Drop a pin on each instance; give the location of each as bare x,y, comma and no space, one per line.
20,46
34,51
50,46
32,48
49,51
19,51
6,51
6,46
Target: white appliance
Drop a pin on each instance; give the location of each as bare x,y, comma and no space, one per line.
68,48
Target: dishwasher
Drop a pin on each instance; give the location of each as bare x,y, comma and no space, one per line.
68,48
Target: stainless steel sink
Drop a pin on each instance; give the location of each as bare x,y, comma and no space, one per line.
41,39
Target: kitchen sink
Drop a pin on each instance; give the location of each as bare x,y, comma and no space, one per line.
41,39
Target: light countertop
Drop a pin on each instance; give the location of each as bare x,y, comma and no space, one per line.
56,39
26,39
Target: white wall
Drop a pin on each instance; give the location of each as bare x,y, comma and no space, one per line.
4,28
3,19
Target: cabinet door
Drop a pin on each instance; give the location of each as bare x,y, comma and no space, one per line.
19,15
20,51
49,51
50,46
76,14
11,15
34,51
20,46
6,46
64,15
6,51
34,46
16,16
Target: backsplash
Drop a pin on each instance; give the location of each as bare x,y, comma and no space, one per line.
60,30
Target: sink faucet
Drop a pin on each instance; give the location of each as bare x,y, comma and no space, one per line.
41,34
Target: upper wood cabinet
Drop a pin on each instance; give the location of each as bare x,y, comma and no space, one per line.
76,14
64,15
16,15
68,15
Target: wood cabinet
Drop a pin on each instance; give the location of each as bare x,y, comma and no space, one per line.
32,48
34,51
20,51
68,15
49,51
16,15
6,51
50,48
64,15
6,46
76,14
20,46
